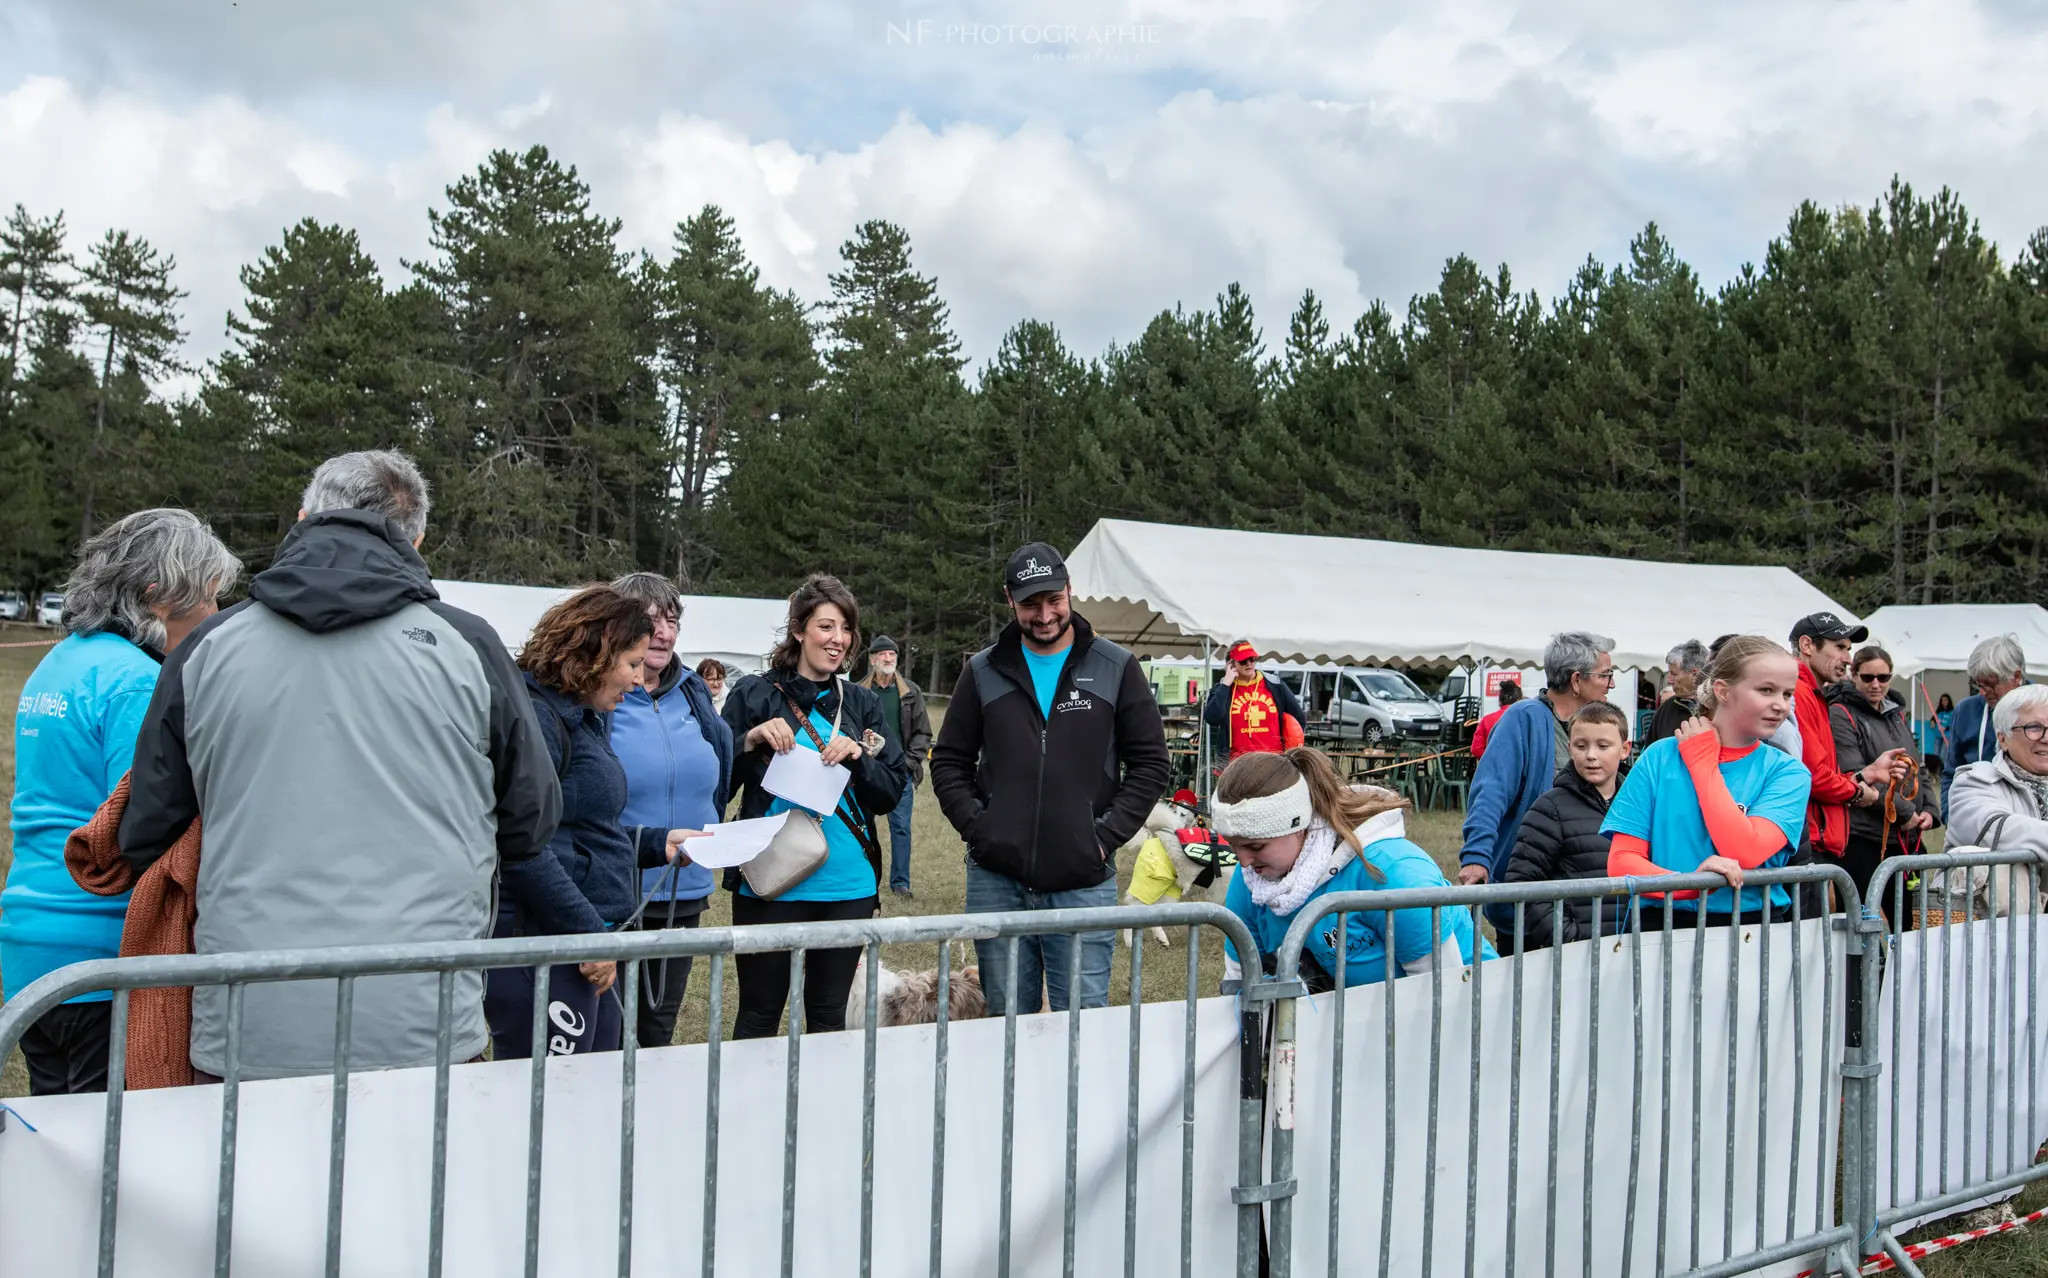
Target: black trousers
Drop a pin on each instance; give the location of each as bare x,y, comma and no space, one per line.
662,981
1860,857
66,1049
764,978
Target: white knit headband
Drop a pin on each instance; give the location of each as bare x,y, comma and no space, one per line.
1268,816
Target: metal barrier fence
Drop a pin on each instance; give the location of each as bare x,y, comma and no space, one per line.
1950,1045
1962,938
1795,1234
346,965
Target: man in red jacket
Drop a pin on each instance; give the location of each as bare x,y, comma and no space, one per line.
1822,643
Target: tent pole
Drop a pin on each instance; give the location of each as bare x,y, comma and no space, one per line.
1201,728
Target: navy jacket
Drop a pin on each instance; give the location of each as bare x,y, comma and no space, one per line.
1216,711
594,860
1970,740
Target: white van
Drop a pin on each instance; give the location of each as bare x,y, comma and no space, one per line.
1369,703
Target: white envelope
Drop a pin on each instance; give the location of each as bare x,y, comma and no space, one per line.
805,779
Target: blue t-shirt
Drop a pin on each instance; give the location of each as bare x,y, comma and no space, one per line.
1045,675
1657,804
846,874
74,737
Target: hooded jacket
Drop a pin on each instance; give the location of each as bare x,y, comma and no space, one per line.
1560,838
365,757
1861,733
1047,801
647,732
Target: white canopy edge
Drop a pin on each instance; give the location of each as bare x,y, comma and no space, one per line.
1161,589
1940,636
738,632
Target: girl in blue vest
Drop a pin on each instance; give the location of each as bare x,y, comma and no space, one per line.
1299,832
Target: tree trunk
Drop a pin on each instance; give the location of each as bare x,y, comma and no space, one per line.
1933,491
99,430
1898,506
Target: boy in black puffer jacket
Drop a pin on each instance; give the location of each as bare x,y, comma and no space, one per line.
1560,837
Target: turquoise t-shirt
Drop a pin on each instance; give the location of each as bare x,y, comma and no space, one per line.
1045,675
846,874
1658,805
74,737
1412,935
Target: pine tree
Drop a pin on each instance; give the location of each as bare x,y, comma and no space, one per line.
129,298
34,274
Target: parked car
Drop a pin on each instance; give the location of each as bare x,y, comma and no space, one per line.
51,611
13,606
1370,703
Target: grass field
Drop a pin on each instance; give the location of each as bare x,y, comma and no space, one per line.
938,874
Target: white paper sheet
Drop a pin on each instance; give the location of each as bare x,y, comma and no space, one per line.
730,843
805,779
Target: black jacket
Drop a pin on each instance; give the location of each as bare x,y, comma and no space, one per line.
1670,717
1047,802
1863,732
877,779
1560,839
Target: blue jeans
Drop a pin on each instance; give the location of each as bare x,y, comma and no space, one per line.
1043,962
899,838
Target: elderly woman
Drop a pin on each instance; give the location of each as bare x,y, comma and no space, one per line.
142,585
2002,802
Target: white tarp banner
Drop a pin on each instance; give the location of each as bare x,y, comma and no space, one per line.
1953,1030
49,1180
1777,1093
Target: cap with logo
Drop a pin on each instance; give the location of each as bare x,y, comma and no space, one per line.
882,643
1826,627
1034,570
1242,651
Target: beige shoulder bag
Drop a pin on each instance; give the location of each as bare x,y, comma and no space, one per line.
799,847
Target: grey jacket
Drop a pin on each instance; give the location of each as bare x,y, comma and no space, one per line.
1986,790
362,756
916,725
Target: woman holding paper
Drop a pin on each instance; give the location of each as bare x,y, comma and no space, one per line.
584,655
801,703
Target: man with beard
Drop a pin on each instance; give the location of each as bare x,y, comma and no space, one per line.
1051,755
1823,642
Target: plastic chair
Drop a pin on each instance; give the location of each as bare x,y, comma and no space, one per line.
1454,779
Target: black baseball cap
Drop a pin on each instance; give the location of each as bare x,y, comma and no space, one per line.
1826,626
882,643
1033,570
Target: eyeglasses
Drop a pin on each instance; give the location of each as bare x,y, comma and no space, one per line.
1874,678
2034,732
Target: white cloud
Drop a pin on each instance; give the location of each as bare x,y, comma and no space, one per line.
1290,144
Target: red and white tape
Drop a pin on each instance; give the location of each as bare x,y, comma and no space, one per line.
1919,1251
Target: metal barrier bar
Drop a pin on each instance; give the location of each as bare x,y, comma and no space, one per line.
939,1061
539,954
1753,927
1136,1002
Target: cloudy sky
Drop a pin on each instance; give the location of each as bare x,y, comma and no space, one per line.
1084,163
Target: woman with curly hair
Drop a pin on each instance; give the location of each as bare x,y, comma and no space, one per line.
583,657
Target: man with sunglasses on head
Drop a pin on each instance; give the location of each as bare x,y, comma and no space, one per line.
1823,641
1996,667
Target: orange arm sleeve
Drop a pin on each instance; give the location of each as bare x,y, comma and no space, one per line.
1746,840
1628,855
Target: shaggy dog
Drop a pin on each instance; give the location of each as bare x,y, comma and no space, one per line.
912,998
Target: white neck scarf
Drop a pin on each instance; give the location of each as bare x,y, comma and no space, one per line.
1284,895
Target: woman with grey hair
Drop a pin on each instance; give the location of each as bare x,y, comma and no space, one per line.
1683,667
141,586
2002,802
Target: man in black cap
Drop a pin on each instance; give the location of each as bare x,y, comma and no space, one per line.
905,723
1822,642
1050,758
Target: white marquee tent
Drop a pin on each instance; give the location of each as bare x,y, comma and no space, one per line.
1162,590
738,632
1940,636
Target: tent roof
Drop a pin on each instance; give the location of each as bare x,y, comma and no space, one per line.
1153,587
1940,636
739,632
